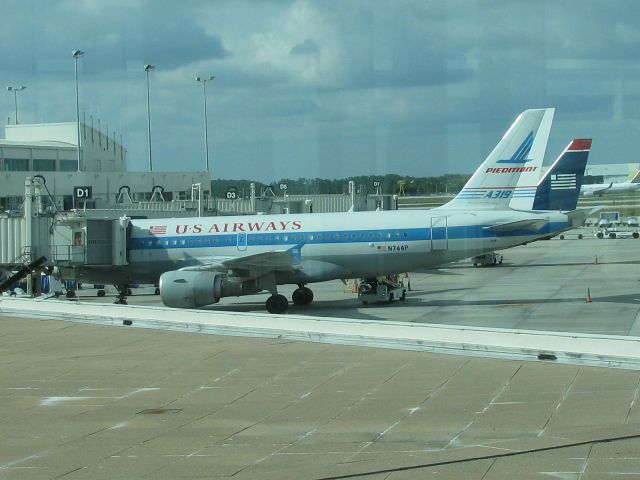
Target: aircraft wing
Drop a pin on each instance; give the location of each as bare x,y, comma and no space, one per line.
256,264
532,225
598,191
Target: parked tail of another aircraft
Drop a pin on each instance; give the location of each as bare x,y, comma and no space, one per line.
559,189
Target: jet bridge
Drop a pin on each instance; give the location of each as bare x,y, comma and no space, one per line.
80,241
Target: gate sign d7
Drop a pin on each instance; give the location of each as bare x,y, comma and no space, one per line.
82,193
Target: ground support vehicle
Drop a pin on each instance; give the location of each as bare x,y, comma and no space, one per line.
487,259
381,289
616,233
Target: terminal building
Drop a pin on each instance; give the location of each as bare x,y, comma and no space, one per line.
50,150
613,172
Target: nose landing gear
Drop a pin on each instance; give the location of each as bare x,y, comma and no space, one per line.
123,291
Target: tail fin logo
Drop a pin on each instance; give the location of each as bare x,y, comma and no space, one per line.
520,156
563,181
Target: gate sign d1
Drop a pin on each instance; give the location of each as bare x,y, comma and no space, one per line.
82,193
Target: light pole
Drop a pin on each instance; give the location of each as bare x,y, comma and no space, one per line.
206,129
76,54
147,69
15,91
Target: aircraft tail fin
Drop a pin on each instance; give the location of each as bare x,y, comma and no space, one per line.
559,189
636,178
517,158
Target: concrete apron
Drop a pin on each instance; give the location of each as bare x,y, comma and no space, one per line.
555,347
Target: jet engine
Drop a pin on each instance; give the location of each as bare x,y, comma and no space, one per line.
192,289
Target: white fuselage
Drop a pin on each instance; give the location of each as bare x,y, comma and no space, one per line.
599,189
327,246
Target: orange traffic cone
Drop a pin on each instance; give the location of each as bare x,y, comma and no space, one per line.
589,299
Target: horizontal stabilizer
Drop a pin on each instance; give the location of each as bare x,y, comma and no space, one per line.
578,217
526,225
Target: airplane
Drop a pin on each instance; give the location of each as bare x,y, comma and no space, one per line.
198,261
600,189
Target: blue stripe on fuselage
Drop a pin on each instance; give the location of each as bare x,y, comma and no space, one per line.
332,237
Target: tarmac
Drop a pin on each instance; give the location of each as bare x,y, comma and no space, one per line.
104,401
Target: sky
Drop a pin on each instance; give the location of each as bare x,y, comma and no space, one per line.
328,88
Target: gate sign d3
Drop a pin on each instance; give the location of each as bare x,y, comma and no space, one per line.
232,193
82,193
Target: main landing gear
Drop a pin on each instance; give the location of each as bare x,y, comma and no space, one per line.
277,303
302,295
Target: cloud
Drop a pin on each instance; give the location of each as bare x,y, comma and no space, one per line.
415,86
41,38
305,48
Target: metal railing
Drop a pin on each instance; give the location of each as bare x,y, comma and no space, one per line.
69,255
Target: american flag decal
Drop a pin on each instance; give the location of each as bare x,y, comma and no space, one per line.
563,181
158,229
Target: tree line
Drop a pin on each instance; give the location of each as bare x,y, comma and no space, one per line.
389,184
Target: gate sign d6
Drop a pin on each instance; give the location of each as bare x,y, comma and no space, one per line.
82,193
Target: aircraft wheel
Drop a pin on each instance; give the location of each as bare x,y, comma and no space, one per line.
579,236
277,304
403,297
636,235
302,296
101,293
